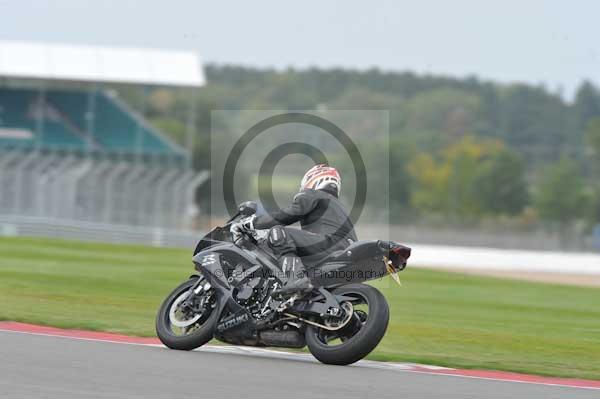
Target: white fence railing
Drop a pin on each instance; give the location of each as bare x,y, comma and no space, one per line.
104,190
88,231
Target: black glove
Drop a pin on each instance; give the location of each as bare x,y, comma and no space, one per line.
242,226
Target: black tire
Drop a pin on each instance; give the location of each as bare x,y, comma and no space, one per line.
193,340
362,342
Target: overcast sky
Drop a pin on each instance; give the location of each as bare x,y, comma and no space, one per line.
554,42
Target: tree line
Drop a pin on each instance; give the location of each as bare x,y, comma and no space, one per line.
464,151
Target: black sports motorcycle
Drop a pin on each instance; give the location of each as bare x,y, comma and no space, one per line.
230,298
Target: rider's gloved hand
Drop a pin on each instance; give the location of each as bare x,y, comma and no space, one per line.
242,226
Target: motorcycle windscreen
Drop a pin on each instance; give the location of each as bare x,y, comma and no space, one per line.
215,236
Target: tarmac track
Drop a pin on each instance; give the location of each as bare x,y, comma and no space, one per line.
44,366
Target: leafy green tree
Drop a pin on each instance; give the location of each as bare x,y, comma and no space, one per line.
459,184
400,180
560,196
500,184
533,123
587,103
448,111
593,137
593,142
463,160
431,179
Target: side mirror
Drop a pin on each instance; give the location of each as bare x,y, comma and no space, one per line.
248,208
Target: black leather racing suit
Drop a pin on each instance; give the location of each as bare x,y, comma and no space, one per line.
326,226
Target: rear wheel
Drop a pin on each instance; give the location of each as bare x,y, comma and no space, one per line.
359,336
185,320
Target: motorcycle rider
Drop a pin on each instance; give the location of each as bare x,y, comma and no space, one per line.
325,226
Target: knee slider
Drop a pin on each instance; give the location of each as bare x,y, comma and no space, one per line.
277,236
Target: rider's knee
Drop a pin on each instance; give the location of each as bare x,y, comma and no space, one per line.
277,237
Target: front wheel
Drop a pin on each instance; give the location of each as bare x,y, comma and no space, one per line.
185,320
364,331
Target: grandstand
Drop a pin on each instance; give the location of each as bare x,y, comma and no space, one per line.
71,149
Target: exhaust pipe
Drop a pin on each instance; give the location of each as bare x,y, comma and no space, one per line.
285,339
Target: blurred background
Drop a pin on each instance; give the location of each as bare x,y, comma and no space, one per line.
494,132
493,115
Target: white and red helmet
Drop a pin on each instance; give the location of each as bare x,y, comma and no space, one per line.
319,177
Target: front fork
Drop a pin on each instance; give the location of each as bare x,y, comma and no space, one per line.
201,286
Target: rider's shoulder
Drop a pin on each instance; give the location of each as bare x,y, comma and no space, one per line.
305,194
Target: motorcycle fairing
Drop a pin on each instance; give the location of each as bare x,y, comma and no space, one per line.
210,264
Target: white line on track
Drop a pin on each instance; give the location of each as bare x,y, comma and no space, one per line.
276,354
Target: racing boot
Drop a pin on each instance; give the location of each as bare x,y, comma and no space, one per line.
297,278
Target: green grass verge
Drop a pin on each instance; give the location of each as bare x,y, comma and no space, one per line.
437,318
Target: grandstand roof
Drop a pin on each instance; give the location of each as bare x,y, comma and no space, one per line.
100,64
